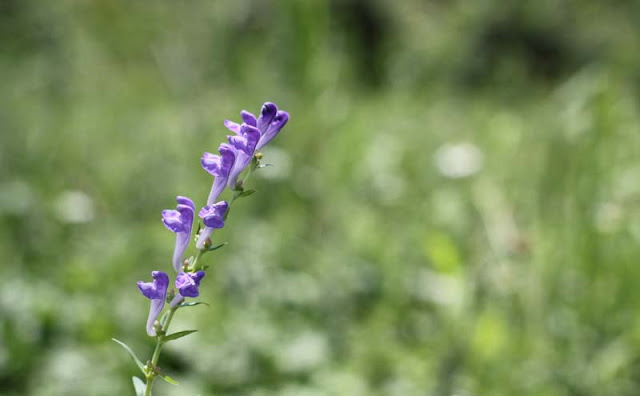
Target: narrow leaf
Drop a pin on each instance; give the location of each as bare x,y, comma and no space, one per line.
177,335
193,304
264,165
246,193
168,379
139,386
131,353
217,246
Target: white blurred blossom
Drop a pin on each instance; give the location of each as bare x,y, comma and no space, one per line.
74,207
458,160
305,352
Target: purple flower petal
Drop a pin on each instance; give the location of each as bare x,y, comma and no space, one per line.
188,283
154,311
186,201
239,143
180,221
248,118
213,222
252,134
210,163
247,139
186,215
156,291
242,161
227,158
157,288
172,220
232,126
267,113
177,300
213,215
278,122
217,187
219,166
245,145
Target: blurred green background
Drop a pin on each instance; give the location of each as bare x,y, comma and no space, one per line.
454,207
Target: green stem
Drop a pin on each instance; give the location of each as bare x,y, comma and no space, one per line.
151,367
195,261
151,373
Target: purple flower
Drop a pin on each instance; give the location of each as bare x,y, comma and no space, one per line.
187,284
244,144
156,291
270,122
219,166
180,221
212,217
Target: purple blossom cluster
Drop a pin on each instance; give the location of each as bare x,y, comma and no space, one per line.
225,167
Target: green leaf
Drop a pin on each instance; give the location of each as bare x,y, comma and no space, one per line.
177,335
132,354
193,304
168,379
264,165
246,193
139,386
212,248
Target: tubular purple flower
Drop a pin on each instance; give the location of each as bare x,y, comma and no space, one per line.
267,113
269,123
180,221
156,291
277,123
232,126
213,217
244,145
187,285
219,166
248,118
